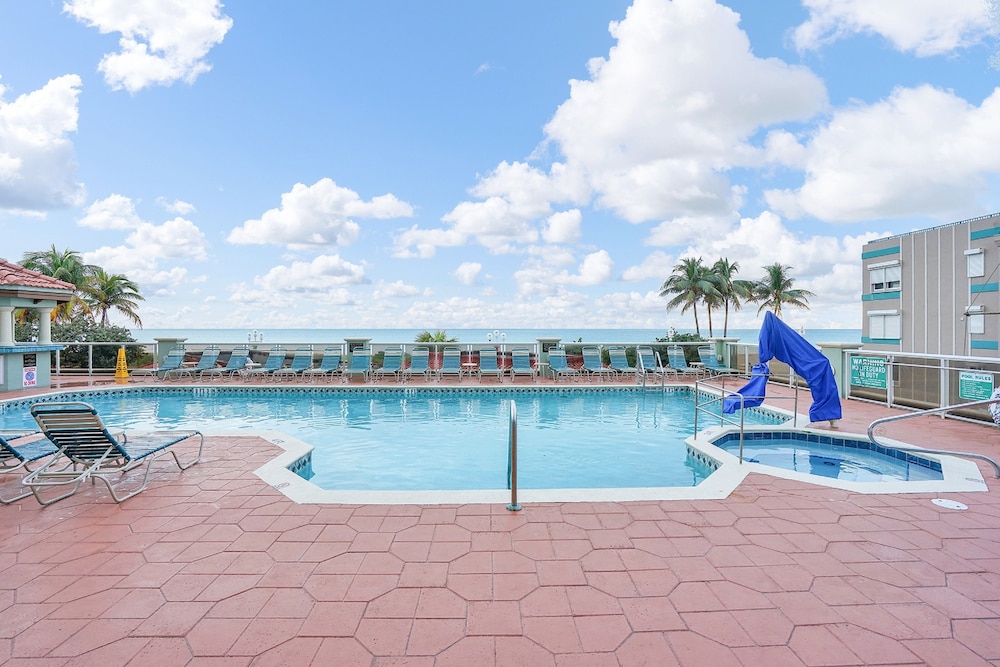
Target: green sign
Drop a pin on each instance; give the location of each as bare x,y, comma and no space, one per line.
868,372
975,386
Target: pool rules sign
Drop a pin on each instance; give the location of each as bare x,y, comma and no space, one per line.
974,386
868,372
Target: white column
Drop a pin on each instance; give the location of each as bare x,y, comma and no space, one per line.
6,325
44,325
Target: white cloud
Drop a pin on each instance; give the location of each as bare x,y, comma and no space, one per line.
113,212
922,151
662,117
657,265
177,206
467,273
174,239
563,227
37,163
323,274
395,290
162,41
537,278
317,215
925,27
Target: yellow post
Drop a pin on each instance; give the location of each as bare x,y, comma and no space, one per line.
121,368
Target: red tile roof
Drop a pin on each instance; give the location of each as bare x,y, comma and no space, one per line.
14,275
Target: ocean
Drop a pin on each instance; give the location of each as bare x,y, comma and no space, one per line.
511,336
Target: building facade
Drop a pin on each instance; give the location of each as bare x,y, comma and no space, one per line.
934,291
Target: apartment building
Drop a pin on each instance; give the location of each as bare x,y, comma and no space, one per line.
934,291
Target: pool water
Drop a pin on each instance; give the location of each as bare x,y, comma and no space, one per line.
836,458
443,440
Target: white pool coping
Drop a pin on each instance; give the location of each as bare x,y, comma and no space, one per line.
960,475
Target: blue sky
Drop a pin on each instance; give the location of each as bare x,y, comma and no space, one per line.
519,164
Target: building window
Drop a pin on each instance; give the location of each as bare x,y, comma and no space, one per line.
976,261
977,323
885,324
884,277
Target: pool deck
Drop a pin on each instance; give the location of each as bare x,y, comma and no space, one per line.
212,566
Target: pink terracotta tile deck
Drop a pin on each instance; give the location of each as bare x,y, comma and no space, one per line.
212,566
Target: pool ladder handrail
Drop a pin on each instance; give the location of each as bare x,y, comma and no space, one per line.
919,413
512,459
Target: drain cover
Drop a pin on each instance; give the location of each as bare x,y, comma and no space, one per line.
949,504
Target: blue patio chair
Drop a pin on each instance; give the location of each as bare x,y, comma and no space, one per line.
559,367
451,364
361,364
329,365
87,450
234,366
711,362
489,364
521,364
650,365
419,364
17,450
275,360
392,364
173,360
301,360
209,357
593,366
675,357
619,362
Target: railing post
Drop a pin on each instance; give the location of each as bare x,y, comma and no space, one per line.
512,459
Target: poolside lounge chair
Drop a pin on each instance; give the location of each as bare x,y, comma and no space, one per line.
275,360
619,362
593,366
235,366
173,360
87,450
489,364
361,364
521,364
711,362
329,365
650,365
559,367
419,364
208,359
675,357
17,450
392,364
301,360
451,364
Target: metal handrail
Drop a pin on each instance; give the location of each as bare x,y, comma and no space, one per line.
512,459
948,408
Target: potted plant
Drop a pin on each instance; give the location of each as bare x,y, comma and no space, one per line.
436,340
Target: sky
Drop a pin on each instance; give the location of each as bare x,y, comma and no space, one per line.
524,164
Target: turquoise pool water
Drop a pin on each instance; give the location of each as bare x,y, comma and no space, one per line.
405,439
833,457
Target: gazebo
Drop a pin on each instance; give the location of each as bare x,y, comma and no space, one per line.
28,364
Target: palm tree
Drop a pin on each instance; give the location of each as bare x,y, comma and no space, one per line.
104,292
439,336
690,283
733,291
66,265
775,290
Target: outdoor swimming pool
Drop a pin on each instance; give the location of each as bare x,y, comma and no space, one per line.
412,439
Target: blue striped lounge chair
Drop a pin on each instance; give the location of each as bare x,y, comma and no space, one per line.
593,366
559,367
275,360
392,364
329,365
650,365
619,362
18,449
419,364
173,360
209,357
675,357
301,360
711,362
87,450
521,364
361,364
234,366
489,364
451,364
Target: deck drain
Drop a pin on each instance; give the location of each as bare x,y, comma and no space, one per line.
950,504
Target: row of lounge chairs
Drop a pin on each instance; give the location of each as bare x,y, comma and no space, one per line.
453,365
